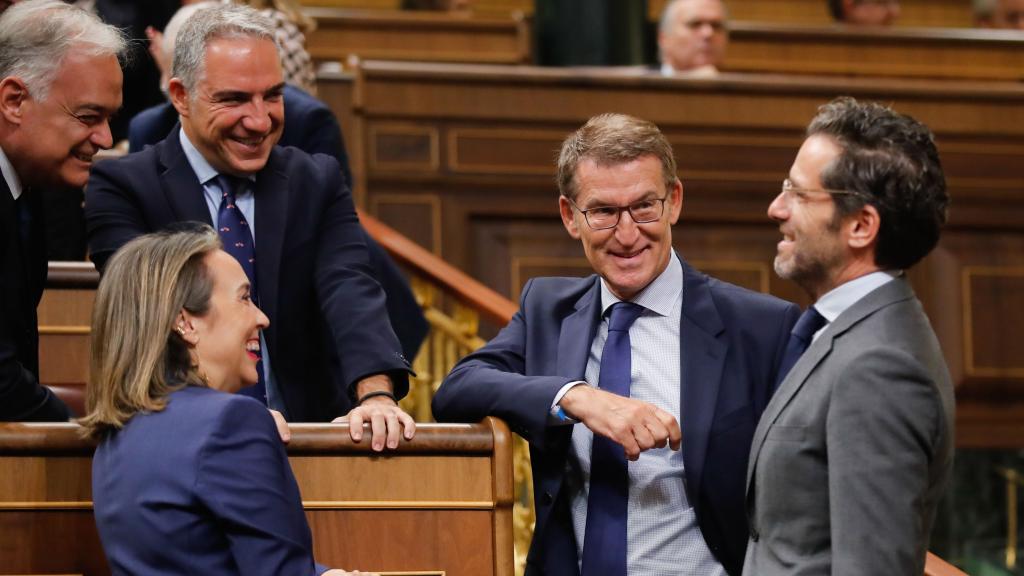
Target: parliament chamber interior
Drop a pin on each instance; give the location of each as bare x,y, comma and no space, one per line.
452,121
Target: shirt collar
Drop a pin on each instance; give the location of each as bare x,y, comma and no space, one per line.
838,299
203,170
10,176
659,296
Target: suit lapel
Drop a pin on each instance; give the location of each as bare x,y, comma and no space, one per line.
577,334
271,196
180,185
883,296
702,360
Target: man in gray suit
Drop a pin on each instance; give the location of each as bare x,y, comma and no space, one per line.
854,450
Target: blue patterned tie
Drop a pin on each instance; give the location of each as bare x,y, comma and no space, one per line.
604,542
238,241
800,338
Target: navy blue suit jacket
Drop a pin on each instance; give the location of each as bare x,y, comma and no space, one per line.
732,341
310,126
22,277
201,487
328,325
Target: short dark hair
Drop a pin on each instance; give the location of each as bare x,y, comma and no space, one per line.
836,8
891,162
611,139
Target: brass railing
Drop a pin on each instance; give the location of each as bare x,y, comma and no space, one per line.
1014,480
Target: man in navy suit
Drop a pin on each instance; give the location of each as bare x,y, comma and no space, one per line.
56,100
310,126
700,352
329,344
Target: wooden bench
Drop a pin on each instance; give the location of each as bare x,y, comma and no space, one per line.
954,54
426,36
443,501
460,159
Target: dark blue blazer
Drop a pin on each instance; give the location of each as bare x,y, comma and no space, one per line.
22,278
201,487
732,341
328,325
310,126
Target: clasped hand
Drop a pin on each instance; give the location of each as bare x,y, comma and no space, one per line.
634,424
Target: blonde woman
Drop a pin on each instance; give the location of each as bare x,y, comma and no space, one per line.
187,478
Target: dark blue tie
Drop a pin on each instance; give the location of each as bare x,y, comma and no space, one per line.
604,542
238,241
800,338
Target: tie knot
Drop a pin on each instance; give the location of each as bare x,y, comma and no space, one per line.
810,322
622,315
231,186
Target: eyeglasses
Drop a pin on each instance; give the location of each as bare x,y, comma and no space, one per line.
791,192
605,217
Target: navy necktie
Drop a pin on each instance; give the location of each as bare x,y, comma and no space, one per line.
238,241
604,542
800,338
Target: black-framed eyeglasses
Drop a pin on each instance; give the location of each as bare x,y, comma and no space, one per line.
605,217
791,192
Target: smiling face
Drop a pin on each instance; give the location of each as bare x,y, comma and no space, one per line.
55,138
227,337
235,113
695,36
812,251
630,255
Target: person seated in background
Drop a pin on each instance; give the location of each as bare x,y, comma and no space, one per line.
1005,14
287,216
60,83
310,126
187,477
865,12
693,36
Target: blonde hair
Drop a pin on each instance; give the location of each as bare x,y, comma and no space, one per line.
137,358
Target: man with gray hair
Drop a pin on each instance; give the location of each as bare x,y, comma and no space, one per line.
60,82
285,215
693,36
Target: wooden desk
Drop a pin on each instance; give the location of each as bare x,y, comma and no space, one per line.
956,54
935,13
460,159
421,36
442,502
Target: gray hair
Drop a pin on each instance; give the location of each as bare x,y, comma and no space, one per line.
36,36
176,21
668,14
214,23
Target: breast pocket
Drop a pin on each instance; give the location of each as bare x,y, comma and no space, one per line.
787,433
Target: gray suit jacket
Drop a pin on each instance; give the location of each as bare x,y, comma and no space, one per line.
855,449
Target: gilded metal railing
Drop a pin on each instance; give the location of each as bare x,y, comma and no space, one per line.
1014,480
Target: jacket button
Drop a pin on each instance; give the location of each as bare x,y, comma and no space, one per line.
546,499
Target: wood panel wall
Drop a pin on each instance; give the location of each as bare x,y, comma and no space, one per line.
460,158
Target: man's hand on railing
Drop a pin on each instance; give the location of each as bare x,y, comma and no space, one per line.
378,407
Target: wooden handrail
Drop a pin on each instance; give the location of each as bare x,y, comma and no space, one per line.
486,301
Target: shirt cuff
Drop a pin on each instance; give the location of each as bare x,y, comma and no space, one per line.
556,415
